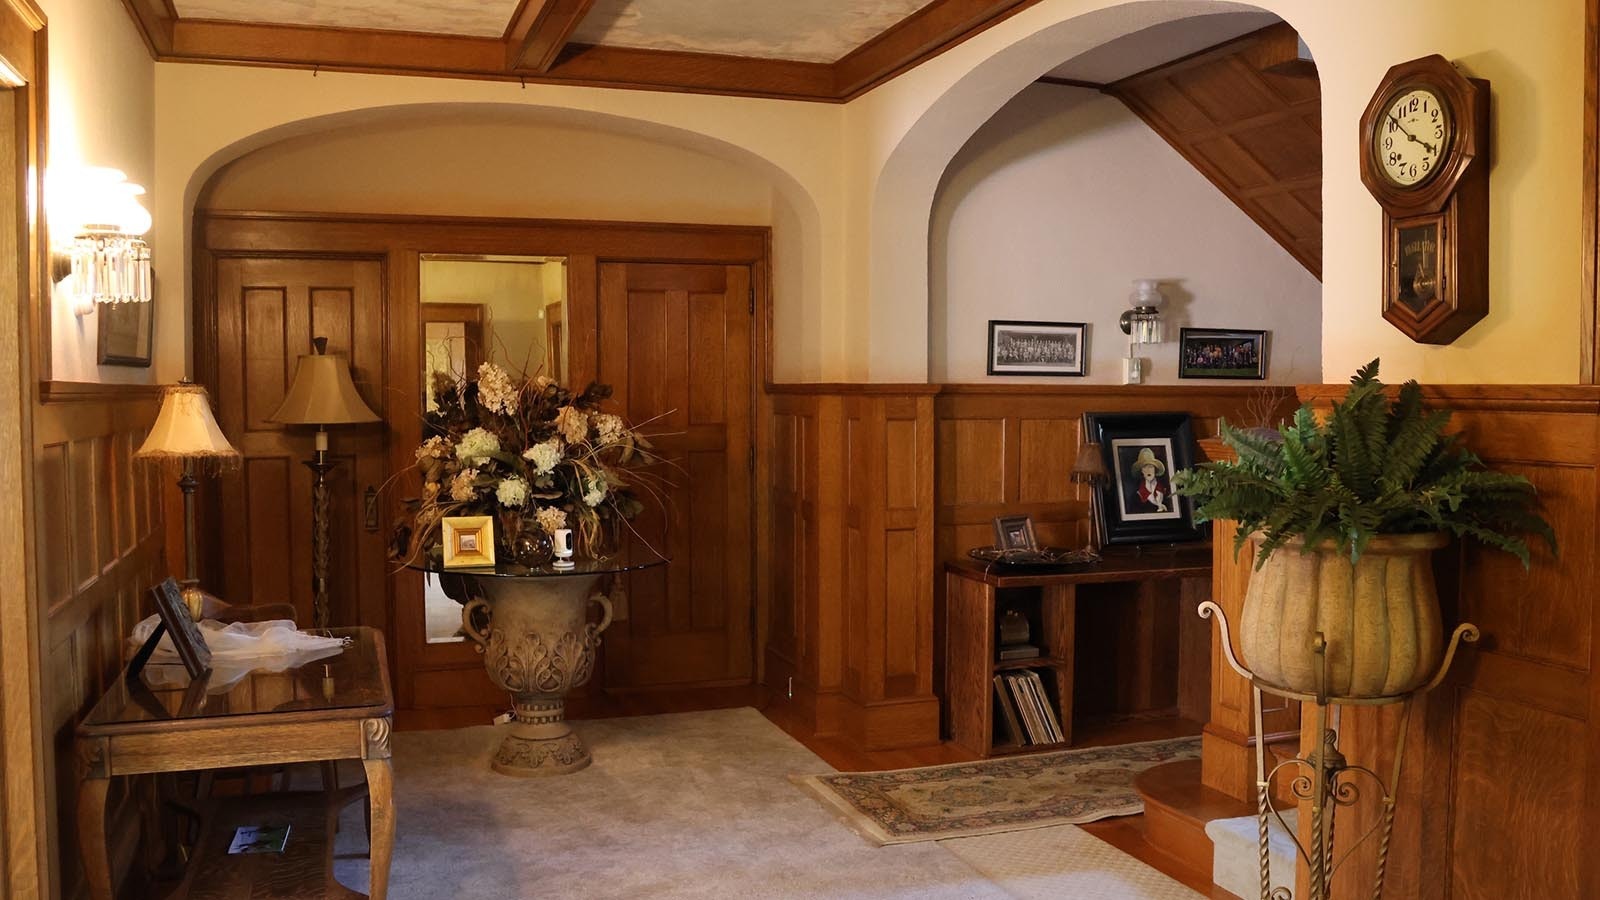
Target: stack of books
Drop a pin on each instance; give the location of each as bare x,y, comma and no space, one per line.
1029,716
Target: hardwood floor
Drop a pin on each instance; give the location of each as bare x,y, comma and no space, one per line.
1125,833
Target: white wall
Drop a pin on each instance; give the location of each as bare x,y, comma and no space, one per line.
1062,199
102,113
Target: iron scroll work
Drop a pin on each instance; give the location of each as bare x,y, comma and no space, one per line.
1324,778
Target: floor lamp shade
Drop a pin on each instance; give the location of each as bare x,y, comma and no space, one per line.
322,393
185,429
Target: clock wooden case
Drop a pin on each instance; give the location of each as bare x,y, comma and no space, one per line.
1425,157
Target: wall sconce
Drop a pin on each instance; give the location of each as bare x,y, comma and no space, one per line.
1142,325
100,250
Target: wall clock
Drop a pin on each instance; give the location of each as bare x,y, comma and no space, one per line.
1425,157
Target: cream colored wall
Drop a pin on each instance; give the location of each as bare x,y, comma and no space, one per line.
862,176
792,146
102,113
1062,199
1531,52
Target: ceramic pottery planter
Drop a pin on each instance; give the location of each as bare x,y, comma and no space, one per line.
1379,616
539,645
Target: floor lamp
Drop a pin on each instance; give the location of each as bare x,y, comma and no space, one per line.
322,394
185,432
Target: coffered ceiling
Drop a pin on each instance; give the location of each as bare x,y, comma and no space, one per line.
824,50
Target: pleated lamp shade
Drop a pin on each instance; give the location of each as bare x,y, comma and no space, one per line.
323,393
1091,465
185,429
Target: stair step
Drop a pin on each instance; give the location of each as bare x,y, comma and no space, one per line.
1234,864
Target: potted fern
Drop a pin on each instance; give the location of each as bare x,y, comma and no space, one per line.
1345,515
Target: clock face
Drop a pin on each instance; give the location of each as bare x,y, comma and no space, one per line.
1410,140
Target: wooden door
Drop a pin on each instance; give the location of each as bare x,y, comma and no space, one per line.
267,312
675,345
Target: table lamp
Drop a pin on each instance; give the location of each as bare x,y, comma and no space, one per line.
1090,469
321,394
185,432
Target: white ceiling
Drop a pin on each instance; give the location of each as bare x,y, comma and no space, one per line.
1158,44
807,30
478,18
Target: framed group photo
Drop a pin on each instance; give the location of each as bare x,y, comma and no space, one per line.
1222,353
1142,452
1037,348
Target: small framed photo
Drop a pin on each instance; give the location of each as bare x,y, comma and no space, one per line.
468,541
1222,353
1142,451
1014,533
180,626
1037,348
124,334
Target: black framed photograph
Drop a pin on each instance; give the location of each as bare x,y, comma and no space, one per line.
1141,452
1015,533
1037,348
180,626
1222,353
124,333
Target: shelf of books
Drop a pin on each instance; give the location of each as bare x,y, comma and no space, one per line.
1027,709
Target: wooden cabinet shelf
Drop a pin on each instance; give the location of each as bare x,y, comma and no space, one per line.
1049,600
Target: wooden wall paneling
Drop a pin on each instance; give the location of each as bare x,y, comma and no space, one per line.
1503,761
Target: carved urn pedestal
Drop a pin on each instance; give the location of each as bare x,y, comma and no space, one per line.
540,644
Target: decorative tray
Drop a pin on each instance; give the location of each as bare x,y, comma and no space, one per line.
1045,556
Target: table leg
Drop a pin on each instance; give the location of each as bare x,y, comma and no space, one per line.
92,835
380,804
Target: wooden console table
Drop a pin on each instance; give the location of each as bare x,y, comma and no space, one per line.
335,707
971,609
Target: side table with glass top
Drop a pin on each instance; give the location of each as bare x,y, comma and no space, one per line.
331,707
538,645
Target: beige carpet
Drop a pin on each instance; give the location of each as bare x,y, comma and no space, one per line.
995,795
696,805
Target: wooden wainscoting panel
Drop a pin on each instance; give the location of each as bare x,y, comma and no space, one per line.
1525,842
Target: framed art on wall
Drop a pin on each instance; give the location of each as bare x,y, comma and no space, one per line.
1141,452
124,334
1222,353
1037,348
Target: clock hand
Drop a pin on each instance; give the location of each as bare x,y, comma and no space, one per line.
1409,136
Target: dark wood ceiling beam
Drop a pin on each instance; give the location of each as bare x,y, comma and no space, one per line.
297,46
540,31
154,19
694,73
921,36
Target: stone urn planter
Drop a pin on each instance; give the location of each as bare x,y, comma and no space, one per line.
539,645
1379,617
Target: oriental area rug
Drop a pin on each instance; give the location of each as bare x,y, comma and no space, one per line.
995,795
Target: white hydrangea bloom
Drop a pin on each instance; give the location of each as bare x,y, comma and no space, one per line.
433,448
462,488
551,519
596,494
476,446
609,428
512,492
496,392
545,456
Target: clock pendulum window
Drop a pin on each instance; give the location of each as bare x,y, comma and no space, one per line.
1425,157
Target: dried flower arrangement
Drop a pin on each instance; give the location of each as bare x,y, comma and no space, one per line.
533,455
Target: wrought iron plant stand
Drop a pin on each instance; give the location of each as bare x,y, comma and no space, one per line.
1324,778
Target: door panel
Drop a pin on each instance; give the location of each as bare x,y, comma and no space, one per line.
267,312
675,345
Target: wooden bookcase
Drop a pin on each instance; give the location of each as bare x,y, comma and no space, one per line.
973,604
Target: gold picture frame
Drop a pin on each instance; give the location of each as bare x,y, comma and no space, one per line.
468,541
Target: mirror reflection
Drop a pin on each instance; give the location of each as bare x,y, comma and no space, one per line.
510,310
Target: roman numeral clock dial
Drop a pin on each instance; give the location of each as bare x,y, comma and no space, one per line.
1425,158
